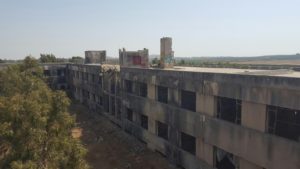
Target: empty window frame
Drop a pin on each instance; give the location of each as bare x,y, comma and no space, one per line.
129,114
100,101
224,160
162,130
106,103
143,89
162,94
188,143
128,86
112,87
144,121
229,109
284,122
188,100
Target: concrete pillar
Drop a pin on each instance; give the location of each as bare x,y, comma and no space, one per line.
173,97
151,91
204,151
206,104
254,115
244,164
151,125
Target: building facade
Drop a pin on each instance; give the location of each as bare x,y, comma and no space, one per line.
199,118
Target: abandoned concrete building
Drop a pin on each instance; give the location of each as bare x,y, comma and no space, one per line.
198,118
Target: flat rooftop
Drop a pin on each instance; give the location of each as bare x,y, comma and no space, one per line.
277,73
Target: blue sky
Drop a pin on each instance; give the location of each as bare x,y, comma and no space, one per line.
198,27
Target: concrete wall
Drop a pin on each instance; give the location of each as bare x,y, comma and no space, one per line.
249,142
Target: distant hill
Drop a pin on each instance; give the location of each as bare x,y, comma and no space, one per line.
242,59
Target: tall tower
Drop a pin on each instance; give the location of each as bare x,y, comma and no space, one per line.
166,53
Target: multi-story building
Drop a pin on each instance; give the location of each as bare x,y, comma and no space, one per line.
215,118
199,118
55,74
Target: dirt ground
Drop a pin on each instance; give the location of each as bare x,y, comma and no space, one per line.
111,148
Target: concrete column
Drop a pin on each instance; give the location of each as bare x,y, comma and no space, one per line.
173,97
254,115
151,91
151,125
244,164
206,104
204,151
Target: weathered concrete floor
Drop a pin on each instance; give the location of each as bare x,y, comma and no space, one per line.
111,148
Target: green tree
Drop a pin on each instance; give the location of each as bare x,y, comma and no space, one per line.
76,59
155,61
47,58
35,125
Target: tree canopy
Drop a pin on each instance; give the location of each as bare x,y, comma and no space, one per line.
47,58
35,124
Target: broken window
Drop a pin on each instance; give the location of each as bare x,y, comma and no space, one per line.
143,89
225,160
188,143
129,114
144,121
229,109
162,94
100,101
106,103
284,122
128,86
188,100
162,130
112,87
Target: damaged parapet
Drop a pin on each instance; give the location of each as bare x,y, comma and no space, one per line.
138,58
95,56
166,53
